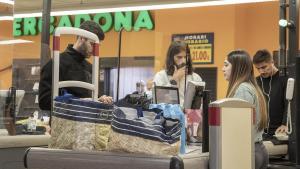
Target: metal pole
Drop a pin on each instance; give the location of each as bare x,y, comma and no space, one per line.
282,60
45,34
119,62
296,125
45,40
294,59
205,126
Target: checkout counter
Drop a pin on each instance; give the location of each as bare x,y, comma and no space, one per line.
12,148
30,151
44,158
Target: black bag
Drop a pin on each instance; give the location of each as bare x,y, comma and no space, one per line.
135,101
10,112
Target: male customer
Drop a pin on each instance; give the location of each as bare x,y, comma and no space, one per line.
73,66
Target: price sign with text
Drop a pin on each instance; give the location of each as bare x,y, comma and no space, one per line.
201,46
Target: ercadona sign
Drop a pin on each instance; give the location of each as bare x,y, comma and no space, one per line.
33,25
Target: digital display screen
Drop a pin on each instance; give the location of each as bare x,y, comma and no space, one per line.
168,95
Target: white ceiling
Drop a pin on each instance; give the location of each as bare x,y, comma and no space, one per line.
30,6
34,6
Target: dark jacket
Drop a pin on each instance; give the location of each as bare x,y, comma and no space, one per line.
277,104
72,66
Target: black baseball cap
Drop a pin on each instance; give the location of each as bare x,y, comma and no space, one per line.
93,27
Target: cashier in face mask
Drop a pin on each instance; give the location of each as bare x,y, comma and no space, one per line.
178,63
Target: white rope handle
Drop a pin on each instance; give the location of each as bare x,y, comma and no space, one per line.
289,119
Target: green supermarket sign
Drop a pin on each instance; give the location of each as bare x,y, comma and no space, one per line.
107,21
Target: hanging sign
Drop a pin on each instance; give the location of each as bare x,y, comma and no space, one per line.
201,46
33,25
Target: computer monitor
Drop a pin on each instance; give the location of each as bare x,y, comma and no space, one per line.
193,95
165,94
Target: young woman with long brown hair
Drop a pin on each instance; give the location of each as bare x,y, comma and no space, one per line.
238,70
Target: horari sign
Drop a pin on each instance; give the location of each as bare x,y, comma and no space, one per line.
201,46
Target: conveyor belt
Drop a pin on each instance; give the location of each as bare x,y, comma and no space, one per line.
45,158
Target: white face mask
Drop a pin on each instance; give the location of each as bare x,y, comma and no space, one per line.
149,94
138,89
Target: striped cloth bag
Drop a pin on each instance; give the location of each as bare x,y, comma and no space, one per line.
80,124
137,131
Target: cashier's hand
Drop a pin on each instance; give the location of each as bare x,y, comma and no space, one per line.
178,73
281,129
106,99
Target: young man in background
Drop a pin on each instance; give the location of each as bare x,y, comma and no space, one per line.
273,87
